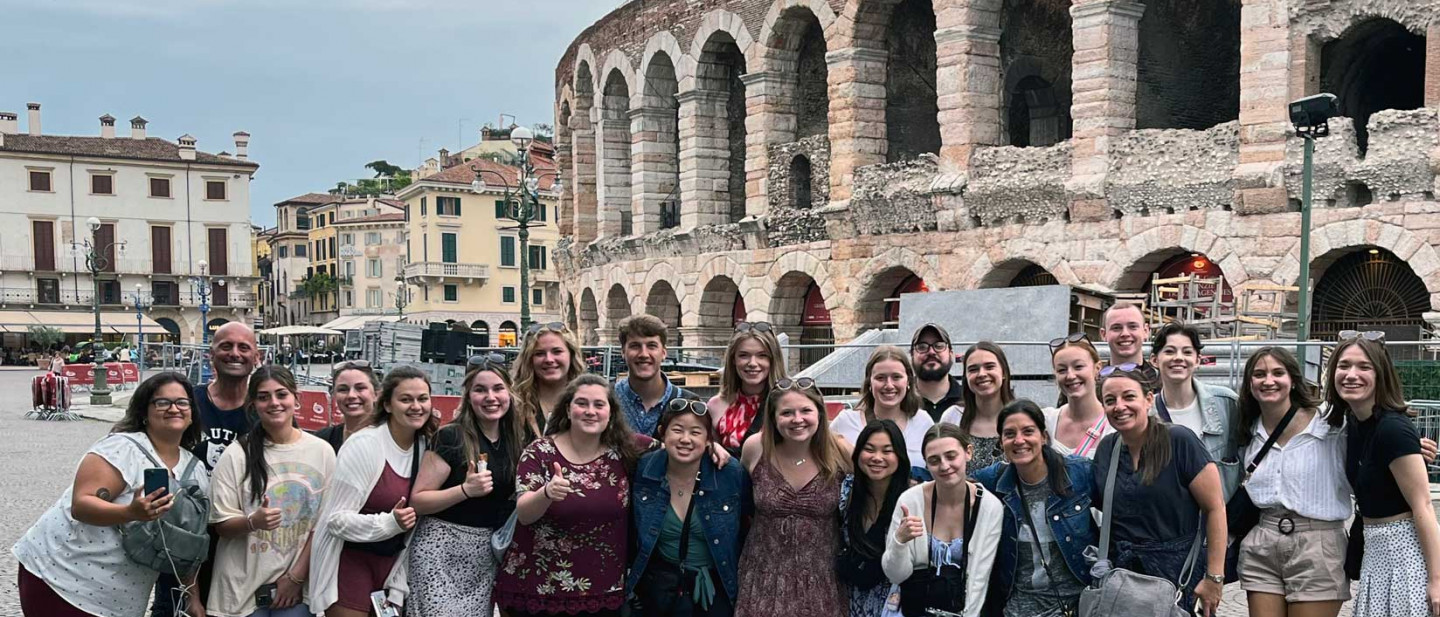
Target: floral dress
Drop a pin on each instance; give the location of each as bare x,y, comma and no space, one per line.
864,602
572,560
788,564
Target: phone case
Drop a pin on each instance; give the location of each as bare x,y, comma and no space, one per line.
156,479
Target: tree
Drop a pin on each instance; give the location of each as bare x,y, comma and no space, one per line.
544,132
388,180
317,285
45,336
384,169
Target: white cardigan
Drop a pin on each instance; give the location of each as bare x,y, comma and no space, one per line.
357,470
902,559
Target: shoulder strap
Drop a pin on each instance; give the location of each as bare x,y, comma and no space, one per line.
1161,409
1270,442
1191,559
142,449
1108,507
414,466
685,528
189,470
1034,533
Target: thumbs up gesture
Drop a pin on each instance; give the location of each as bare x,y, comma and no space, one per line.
911,527
559,487
403,515
478,482
267,518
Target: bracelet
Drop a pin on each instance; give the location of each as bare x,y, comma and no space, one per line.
292,579
545,490
250,523
462,492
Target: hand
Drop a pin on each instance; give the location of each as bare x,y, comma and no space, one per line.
478,483
911,527
719,454
559,487
1208,594
287,593
197,608
1434,593
1428,450
266,518
403,515
150,507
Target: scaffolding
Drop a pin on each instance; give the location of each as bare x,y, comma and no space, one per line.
1254,311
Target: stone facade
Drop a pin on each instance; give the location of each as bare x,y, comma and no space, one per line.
1099,161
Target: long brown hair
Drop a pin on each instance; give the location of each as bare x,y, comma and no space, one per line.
393,379
1007,391
1389,394
823,447
254,441
730,384
137,412
1303,394
908,405
526,393
514,434
1155,452
616,436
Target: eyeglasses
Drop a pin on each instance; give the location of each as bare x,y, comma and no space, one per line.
799,383
937,347
164,404
759,326
538,327
1369,335
488,361
1056,344
698,408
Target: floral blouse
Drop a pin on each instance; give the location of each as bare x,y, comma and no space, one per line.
572,560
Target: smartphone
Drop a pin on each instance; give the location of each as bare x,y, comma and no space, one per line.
382,606
157,478
265,595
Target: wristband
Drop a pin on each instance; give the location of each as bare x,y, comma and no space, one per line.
545,490
249,522
292,579
462,492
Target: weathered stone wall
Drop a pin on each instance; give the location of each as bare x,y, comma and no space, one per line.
785,223
894,197
1018,185
1166,171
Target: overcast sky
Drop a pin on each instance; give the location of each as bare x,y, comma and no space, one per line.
322,86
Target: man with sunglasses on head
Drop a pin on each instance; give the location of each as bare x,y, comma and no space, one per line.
645,391
933,358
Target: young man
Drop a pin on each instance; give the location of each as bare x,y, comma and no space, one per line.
646,391
1126,332
932,356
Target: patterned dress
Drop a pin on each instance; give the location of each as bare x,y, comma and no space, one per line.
735,426
864,602
788,564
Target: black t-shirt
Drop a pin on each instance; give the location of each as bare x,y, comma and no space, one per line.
1371,446
1163,511
956,396
333,435
219,426
489,511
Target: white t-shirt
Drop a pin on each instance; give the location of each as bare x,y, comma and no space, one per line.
84,563
298,474
851,421
1089,444
1188,417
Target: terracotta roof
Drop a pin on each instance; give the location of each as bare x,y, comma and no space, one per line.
374,218
464,173
148,149
310,198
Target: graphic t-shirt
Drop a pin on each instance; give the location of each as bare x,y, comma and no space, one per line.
221,426
298,475
1039,589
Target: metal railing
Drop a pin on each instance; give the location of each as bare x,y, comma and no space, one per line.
436,269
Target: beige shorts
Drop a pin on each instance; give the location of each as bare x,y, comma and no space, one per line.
1306,565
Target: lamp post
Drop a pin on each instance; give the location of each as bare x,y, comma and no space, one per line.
1311,117
95,262
527,193
141,304
201,284
402,295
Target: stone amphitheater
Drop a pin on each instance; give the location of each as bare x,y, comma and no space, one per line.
804,162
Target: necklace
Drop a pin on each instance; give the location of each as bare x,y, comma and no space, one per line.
800,461
682,492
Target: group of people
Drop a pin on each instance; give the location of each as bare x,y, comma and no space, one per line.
554,492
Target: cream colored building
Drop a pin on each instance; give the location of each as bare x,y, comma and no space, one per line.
290,260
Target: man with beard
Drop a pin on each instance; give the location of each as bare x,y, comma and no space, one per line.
1126,333
645,391
932,356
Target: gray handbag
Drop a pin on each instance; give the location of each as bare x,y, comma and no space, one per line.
1117,591
178,542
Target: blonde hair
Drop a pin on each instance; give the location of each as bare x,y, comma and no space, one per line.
730,383
823,446
909,405
526,394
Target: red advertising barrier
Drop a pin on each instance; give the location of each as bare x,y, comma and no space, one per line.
116,374
314,407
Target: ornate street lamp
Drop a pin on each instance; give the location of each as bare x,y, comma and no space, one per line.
142,303
402,295
527,193
95,262
201,285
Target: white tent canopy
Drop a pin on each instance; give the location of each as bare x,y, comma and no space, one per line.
295,330
357,322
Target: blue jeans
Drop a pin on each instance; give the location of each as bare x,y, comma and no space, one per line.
299,610
1165,560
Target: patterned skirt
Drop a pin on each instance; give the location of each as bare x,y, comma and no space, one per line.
452,571
1393,579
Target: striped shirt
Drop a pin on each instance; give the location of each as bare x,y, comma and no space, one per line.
1306,475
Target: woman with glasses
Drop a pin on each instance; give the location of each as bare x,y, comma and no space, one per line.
466,491
570,546
548,362
353,387
71,562
360,544
1209,411
987,390
1041,565
796,466
1167,494
686,512
753,362
867,503
1400,567
941,545
888,393
267,492
1077,426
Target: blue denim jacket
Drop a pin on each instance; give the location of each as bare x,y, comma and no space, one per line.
1220,408
720,501
1070,519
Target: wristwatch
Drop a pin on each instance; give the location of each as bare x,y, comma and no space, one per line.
1218,579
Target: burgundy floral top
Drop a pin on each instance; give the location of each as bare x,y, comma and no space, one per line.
572,560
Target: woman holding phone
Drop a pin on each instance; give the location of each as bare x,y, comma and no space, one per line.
266,495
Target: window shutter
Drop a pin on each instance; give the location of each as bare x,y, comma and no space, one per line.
44,233
160,249
507,251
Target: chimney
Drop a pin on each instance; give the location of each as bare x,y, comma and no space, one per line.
107,126
444,158
187,147
34,117
242,145
137,128
9,123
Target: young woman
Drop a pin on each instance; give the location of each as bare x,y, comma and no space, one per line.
1400,570
547,363
888,393
753,363
1165,489
1292,561
1077,426
867,503
353,387
360,543
943,536
987,390
687,514
466,490
796,466
1041,565
267,491
568,555
71,563
1208,411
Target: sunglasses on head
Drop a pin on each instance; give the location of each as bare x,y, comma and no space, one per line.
798,383
539,326
1056,344
1143,373
759,326
355,365
698,408
1369,335
488,361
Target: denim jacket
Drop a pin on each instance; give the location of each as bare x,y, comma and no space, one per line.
1071,522
720,501
1220,410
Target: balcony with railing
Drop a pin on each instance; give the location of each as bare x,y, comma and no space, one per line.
435,271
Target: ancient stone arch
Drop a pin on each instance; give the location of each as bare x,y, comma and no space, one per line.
584,56
1137,256
718,20
1406,245
665,42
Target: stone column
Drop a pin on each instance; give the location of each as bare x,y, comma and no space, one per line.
614,175
704,159
769,119
582,151
564,164
1264,97
1432,66
857,114
1107,48
654,177
968,80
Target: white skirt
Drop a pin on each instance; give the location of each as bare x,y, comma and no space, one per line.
1393,579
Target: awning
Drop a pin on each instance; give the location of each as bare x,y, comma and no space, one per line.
356,322
74,322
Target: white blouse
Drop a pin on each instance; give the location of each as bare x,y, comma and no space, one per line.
851,422
1305,476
